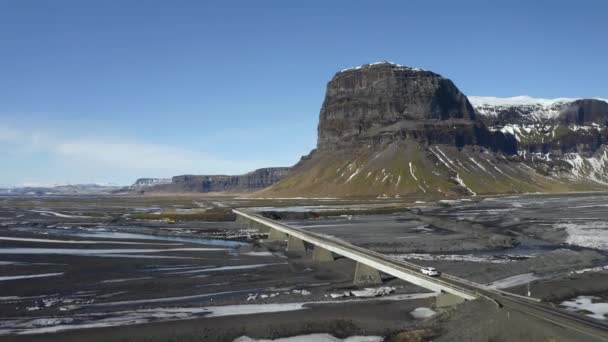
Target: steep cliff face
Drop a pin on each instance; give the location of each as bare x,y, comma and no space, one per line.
390,130
251,181
149,182
564,137
380,103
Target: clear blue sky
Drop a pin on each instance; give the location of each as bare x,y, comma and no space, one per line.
108,91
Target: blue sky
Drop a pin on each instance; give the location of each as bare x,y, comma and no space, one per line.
108,91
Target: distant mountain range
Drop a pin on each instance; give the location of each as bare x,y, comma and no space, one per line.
248,182
76,189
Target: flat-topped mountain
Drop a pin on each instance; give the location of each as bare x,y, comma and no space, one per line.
250,181
390,130
379,103
149,182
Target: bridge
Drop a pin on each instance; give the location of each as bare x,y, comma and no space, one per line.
370,263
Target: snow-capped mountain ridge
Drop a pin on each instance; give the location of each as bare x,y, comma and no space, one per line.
567,137
523,100
527,109
388,63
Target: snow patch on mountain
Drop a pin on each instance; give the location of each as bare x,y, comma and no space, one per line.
479,101
536,108
380,63
593,168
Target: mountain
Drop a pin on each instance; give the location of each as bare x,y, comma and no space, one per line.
70,189
143,183
564,133
251,181
391,130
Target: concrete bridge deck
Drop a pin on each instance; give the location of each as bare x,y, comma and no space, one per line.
363,256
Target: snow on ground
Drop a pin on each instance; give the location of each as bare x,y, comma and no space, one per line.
353,175
393,297
28,276
98,252
586,303
301,208
5,238
421,313
314,338
122,235
592,234
164,299
512,281
56,214
477,101
591,269
228,268
113,281
378,63
263,253
373,292
25,325
449,257
462,184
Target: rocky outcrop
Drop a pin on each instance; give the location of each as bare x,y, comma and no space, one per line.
377,104
544,126
251,181
149,182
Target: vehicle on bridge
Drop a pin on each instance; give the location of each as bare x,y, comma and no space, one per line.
430,271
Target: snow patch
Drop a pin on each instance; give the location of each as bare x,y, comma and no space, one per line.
353,175
586,303
315,338
29,276
592,234
422,313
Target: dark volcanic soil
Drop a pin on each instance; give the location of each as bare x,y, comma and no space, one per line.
74,269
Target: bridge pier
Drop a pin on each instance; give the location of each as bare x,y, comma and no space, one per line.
295,245
260,227
275,235
366,275
320,254
243,220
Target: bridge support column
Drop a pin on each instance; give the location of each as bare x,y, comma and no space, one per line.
445,299
295,245
243,220
275,235
322,255
366,275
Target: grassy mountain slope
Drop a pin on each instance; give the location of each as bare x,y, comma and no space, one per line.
407,168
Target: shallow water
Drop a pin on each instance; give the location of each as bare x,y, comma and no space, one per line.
123,235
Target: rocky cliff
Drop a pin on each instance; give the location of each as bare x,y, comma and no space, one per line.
544,126
149,182
251,181
391,130
380,103
565,137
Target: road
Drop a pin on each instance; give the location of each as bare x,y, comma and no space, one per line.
590,328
